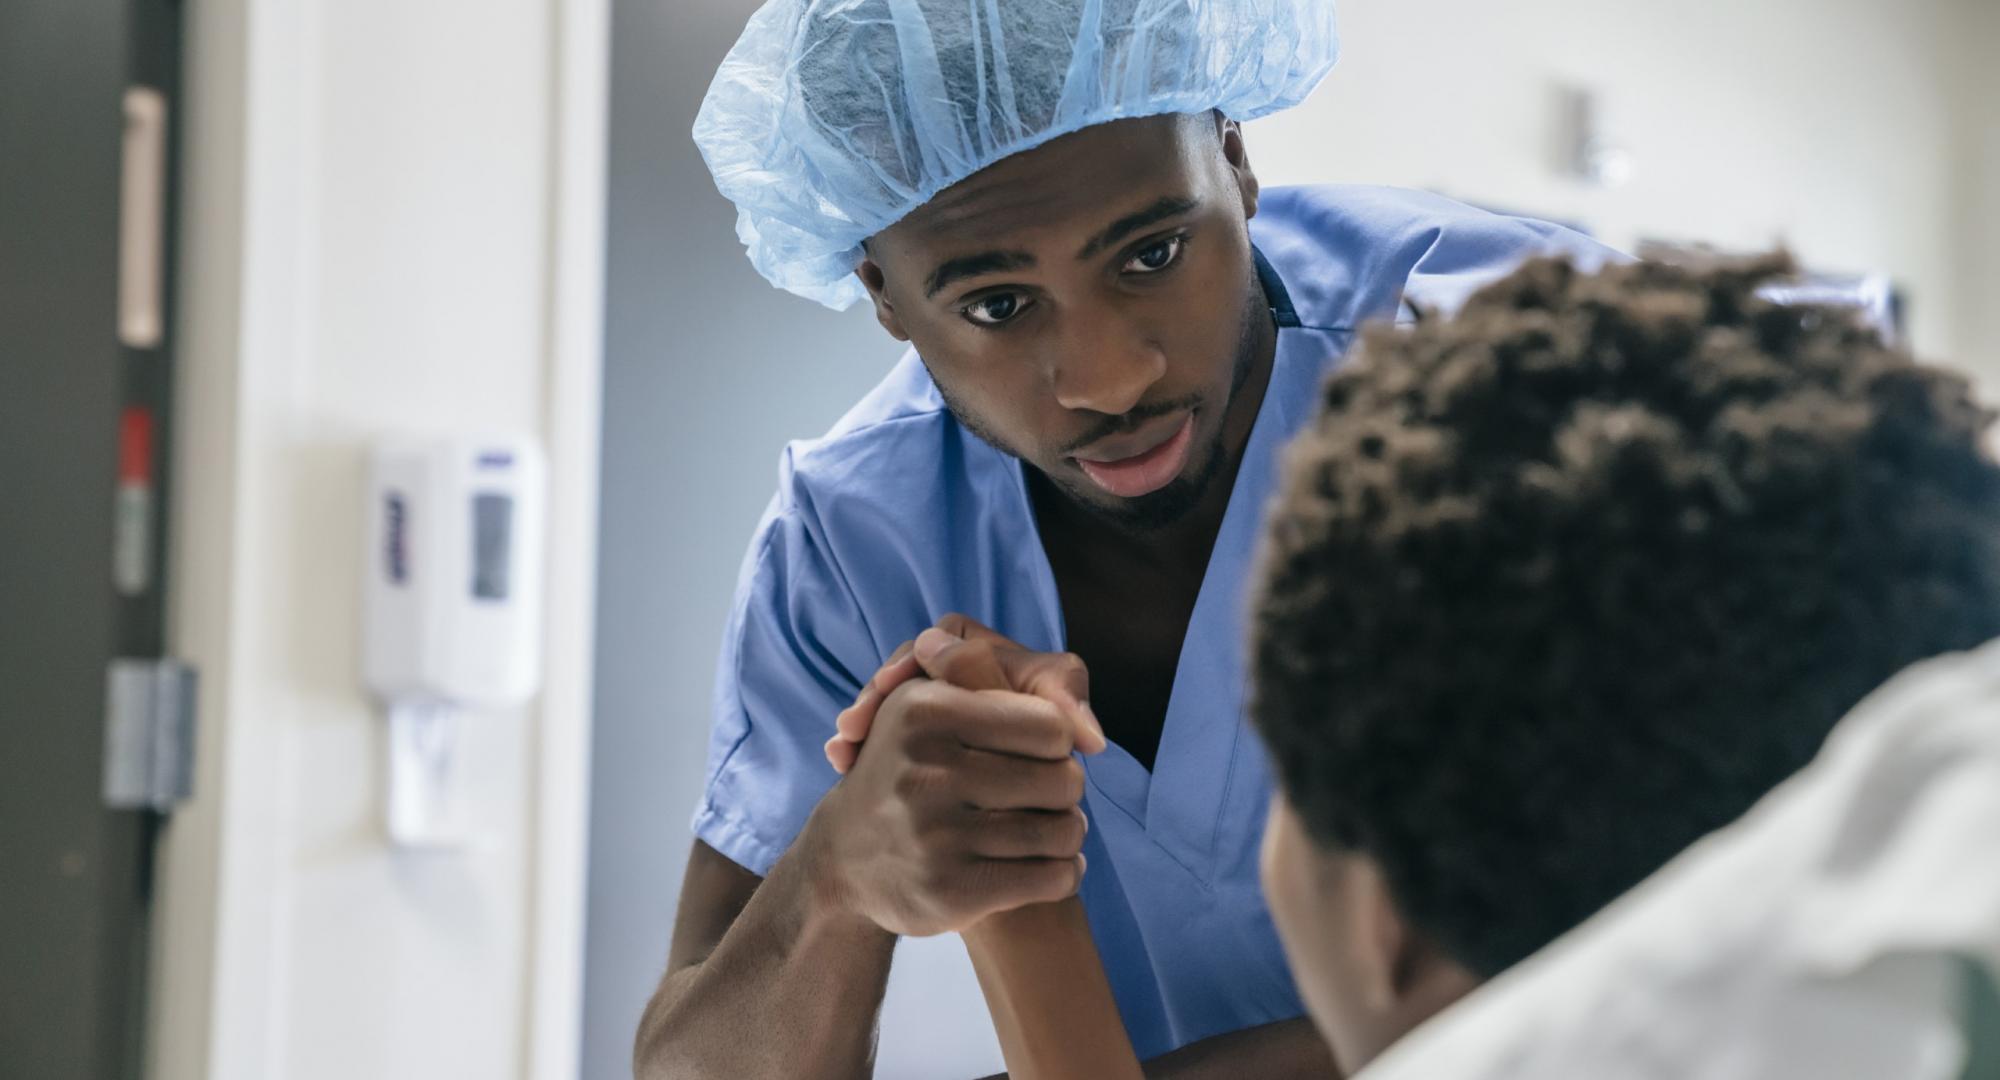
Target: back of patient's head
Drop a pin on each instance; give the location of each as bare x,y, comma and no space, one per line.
1559,585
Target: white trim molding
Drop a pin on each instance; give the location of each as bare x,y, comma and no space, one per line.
575,378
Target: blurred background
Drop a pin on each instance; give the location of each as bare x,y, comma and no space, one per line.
243,241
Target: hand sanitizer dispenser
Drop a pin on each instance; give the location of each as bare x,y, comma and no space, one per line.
452,612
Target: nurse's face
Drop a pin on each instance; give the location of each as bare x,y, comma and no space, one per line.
1091,307
1366,976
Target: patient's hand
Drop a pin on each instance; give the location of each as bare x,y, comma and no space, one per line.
964,653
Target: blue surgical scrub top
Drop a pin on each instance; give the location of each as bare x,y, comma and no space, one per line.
899,516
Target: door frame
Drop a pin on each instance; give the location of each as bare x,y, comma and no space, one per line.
247,183
575,434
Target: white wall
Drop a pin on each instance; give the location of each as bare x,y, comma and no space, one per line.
1977,211
382,213
1825,123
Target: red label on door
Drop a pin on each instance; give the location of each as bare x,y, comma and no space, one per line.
132,528
135,447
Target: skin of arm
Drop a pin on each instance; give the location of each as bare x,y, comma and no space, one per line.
763,955
1051,1004
1038,965
1053,1010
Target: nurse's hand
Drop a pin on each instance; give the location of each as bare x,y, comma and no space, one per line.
964,653
965,804
843,748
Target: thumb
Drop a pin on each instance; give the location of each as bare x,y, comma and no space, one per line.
968,665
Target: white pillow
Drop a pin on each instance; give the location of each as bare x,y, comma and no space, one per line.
1829,933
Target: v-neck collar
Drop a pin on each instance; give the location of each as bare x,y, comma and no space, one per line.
1181,802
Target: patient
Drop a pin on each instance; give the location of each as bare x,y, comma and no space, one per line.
1552,590
1559,586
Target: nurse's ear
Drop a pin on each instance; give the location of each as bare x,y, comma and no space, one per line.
1237,157
870,273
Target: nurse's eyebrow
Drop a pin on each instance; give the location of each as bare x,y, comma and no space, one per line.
972,266
1171,206
993,262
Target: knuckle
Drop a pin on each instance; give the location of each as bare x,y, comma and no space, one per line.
915,696
1072,781
934,884
895,707
989,879
932,839
1062,878
1074,674
925,748
913,781
967,654
1053,731
1074,828
961,890
1060,836
1043,880
943,866
918,704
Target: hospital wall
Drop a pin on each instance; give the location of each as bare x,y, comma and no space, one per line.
1843,127
1832,126
1977,213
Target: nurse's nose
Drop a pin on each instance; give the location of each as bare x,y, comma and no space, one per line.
1106,365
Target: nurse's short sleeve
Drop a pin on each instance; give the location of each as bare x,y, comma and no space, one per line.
795,652
1476,249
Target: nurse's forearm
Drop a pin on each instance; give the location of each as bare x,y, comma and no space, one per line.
792,989
1051,1004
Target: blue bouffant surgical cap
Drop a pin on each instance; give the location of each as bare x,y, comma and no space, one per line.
832,119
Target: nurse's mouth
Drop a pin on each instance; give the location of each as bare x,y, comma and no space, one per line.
1142,463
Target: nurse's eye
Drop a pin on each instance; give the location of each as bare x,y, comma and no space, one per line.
994,309
1156,256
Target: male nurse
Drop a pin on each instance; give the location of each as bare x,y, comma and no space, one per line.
1112,329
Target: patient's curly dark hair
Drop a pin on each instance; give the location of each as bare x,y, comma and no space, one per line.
1557,586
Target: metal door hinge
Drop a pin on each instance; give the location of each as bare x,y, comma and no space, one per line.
148,734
